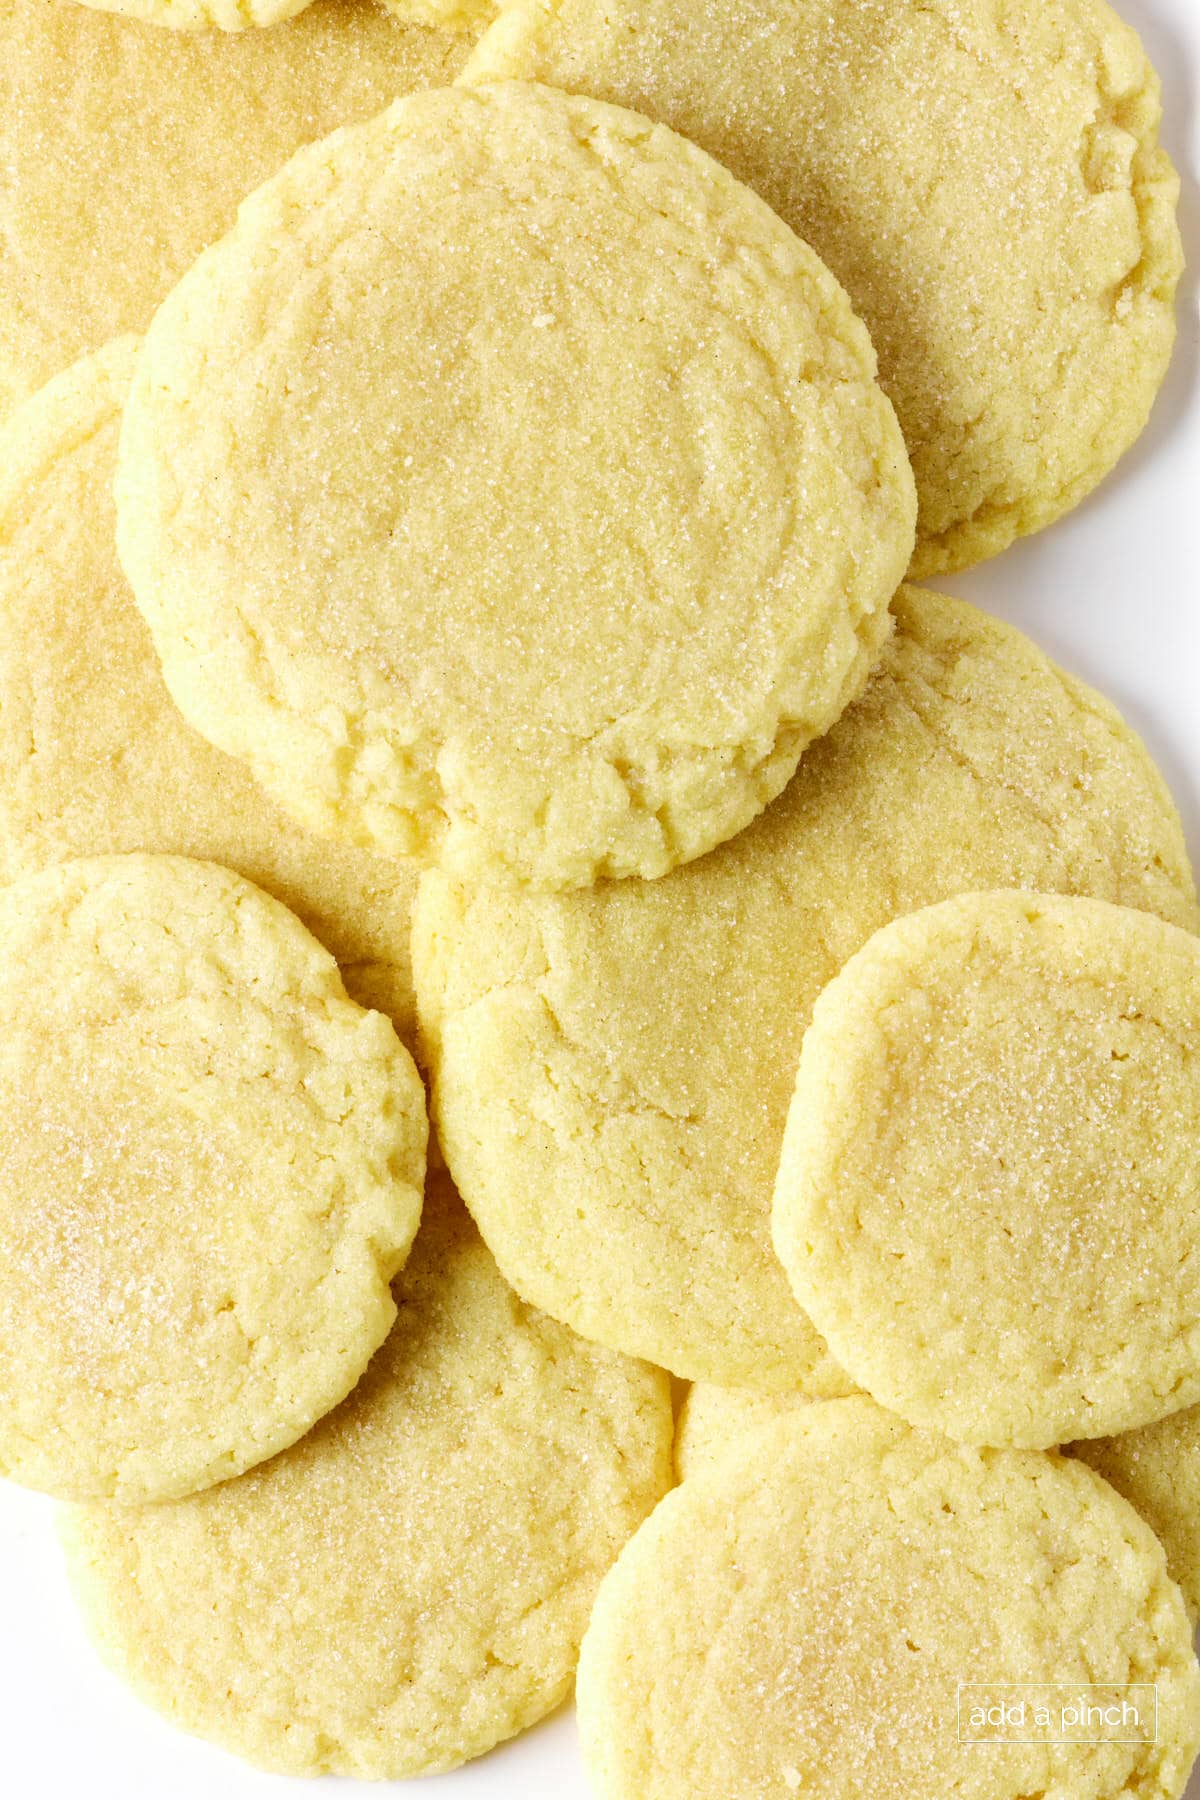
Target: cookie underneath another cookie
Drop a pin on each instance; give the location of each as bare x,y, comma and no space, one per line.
95,757
988,1192
408,1585
211,1165
984,179
1157,1468
124,151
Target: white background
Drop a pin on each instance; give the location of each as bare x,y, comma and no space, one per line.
1114,594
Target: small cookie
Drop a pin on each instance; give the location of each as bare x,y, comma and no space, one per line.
613,1069
125,151
988,1194
408,1585
94,755
813,1619
983,176
511,488
1157,1468
202,15
210,1170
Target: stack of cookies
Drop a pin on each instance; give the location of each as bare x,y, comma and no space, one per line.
460,491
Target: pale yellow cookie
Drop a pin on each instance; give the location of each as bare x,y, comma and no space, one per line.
210,1170
201,15
1157,1468
613,1069
983,176
451,15
713,1419
989,1192
512,488
817,1616
124,151
94,755
408,1585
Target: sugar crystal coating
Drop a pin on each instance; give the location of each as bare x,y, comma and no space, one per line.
210,1170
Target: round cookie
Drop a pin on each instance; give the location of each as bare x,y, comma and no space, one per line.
816,1615
511,488
409,1585
712,1419
987,1195
200,15
210,1170
105,203
983,176
94,755
613,1069
1157,1469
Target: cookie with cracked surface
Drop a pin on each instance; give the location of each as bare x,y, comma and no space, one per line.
512,489
1157,1468
82,170
987,1194
798,1620
983,176
613,1069
409,1585
94,755
210,1170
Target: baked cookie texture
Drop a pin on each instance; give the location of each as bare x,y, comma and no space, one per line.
612,1070
1157,1468
450,15
125,151
983,176
510,487
713,1418
211,1165
94,755
987,1194
409,1584
797,1621
201,15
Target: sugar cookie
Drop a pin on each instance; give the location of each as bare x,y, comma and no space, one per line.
613,1069
124,151
450,15
201,15
409,1584
983,176
94,755
988,1192
210,1170
713,1419
510,487
1157,1468
819,1616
